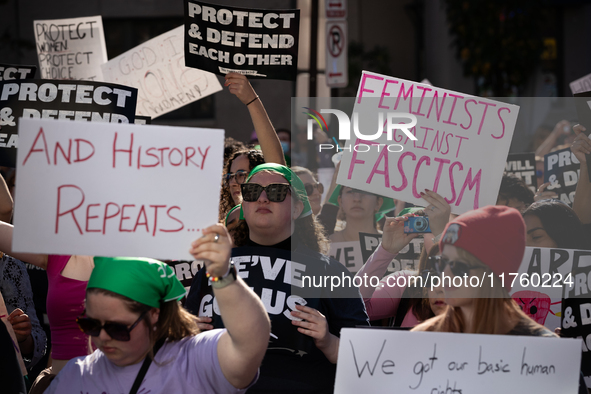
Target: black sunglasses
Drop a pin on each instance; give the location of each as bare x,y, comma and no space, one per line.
276,192
239,176
117,331
457,268
311,186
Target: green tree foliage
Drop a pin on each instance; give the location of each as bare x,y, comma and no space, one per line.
498,41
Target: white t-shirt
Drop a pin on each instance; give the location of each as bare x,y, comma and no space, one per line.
190,365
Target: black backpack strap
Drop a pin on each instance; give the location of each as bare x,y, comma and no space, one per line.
147,361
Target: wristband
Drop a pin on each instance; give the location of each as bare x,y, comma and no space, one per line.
252,101
218,282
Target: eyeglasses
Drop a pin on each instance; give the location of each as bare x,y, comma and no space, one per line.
239,176
457,268
311,186
117,331
276,192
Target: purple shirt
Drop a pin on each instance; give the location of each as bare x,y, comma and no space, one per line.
190,365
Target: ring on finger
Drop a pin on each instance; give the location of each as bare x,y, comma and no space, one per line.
216,238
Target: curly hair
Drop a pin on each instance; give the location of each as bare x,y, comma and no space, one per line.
514,187
255,157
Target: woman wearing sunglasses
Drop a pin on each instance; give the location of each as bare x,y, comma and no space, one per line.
146,342
480,242
284,242
241,162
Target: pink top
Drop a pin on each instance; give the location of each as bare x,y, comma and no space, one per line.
383,301
65,302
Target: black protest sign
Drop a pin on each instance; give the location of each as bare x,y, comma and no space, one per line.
46,99
407,258
523,166
561,169
583,104
576,311
10,72
369,244
256,43
185,270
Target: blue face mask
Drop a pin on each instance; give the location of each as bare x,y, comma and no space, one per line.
285,146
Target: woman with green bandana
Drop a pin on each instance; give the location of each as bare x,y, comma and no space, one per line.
133,317
285,243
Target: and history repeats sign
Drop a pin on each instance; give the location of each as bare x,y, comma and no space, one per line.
115,189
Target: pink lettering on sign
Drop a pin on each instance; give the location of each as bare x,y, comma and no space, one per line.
67,155
381,170
128,218
157,156
363,89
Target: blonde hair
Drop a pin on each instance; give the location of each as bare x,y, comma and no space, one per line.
493,307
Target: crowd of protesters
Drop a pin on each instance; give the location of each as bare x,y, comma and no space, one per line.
117,324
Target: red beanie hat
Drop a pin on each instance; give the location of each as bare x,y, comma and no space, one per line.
495,235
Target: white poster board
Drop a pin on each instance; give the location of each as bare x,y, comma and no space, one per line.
389,361
581,85
115,189
460,150
348,254
157,70
71,48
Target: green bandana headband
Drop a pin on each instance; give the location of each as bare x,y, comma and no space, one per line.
387,204
229,213
294,180
148,281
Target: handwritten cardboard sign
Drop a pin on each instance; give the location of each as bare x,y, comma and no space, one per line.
114,189
389,361
523,166
406,259
561,169
253,42
460,149
71,48
65,100
157,69
580,85
11,71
